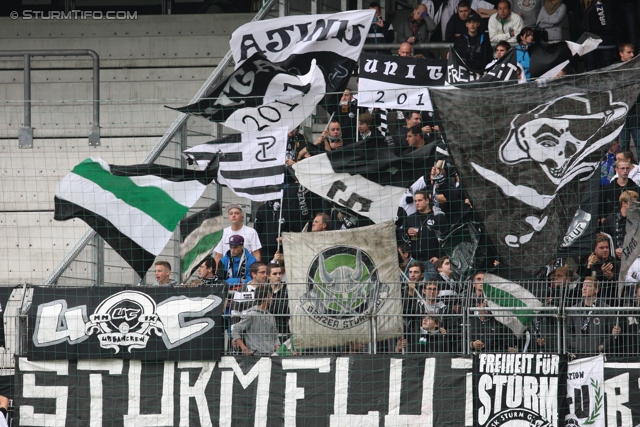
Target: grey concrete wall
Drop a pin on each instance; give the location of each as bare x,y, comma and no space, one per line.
145,64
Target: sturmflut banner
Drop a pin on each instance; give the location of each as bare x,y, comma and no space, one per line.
358,390
518,390
145,323
338,280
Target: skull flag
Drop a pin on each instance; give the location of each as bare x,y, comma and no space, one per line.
525,153
338,281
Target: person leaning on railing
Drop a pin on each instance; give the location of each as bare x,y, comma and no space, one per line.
591,331
257,332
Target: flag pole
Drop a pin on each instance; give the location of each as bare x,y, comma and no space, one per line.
280,221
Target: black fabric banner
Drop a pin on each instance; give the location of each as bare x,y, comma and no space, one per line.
310,391
402,70
522,167
144,323
530,388
505,70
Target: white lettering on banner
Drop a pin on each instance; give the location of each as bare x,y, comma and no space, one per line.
460,75
113,367
340,417
425,419
371,66
196,391
55,323
512,376
292,392
133,417
390,68
262,371
503,72
28,416
378,94
173,311
617,391
435,72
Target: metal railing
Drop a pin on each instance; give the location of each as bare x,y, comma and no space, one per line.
177,127
25,133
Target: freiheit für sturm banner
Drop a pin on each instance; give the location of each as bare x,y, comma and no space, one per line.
512,389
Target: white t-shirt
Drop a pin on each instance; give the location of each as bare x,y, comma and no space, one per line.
251,239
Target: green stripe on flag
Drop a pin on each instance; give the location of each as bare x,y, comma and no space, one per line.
505,299
153,201
205,244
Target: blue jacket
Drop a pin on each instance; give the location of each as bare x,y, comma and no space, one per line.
524,59
234,278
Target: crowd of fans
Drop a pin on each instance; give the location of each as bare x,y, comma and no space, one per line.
434,296
472,25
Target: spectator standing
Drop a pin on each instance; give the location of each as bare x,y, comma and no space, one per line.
329,140
631,127
627,21
504,25
615,225
280,305
473,46
501,49
379,31
528,10
416,29
237,227
611,192
525,41
488,335
550,19
597,17
257,333
210,272
405,49
267,224
237,262
424,227
321,222
163,273
604,268
544,327
591,331
457,24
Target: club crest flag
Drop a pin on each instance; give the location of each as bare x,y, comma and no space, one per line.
338,280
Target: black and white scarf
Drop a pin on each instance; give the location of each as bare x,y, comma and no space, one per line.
242,267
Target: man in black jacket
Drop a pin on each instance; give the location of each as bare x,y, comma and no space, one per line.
423,228
473,46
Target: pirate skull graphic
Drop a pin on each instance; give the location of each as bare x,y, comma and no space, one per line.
559,134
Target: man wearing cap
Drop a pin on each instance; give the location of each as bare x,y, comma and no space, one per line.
237,261
251,240
473,46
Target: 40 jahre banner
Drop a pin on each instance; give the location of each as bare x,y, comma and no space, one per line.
338,280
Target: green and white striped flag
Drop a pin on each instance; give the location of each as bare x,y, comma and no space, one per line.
134,208
499,292
202,231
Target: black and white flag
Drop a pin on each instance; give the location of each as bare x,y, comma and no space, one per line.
523,153
547,56
335,40
261,95
370,182
135,209
252,164
396,82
